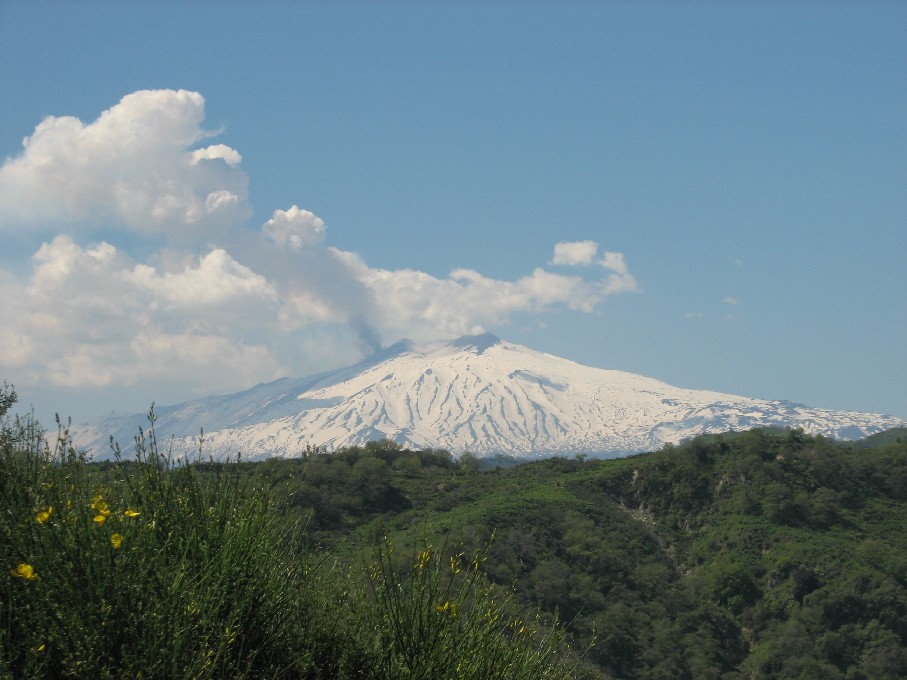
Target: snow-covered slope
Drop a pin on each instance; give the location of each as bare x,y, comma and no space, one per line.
477,393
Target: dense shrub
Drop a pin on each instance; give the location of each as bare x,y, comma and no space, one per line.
156,570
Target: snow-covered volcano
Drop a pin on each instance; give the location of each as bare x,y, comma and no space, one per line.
478,394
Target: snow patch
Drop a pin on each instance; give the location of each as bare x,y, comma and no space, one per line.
478,393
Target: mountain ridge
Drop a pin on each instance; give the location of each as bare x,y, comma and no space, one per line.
477,393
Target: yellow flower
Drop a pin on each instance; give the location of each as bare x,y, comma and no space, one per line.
44,515
24,571
454,565
100,505
447,607
99,520
116,540
131,513
422,559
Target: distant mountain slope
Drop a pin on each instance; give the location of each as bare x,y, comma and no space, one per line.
478,393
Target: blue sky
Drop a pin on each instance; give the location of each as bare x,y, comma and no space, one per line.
712,194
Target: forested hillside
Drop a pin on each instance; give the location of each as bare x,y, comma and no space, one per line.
767,553
758,554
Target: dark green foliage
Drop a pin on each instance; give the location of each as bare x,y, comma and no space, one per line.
148,569
767,553
761,553
892,436
336,492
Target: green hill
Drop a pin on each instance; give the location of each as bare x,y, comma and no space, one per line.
882,438
761,554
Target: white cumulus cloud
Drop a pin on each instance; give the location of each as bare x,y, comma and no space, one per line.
133,166
91,315
196,301
218,151
217,279
585,254
575,253
294,228
615,262
418,305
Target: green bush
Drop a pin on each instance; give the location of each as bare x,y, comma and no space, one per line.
149,569
152,569
438,617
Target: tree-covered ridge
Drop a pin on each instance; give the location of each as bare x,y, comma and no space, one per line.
766,553
792,546
755,554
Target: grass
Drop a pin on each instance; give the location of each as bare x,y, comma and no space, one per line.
149,569
439,618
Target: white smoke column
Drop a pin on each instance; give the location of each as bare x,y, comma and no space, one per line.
317,281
